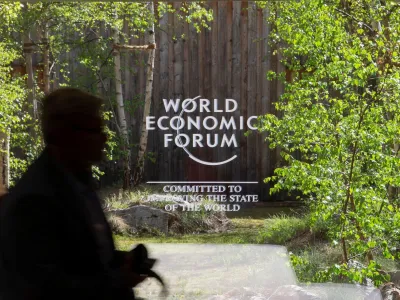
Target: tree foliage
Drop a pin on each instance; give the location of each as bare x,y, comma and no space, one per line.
341,112
80,56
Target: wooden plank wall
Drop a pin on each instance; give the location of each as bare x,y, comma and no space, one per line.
229,61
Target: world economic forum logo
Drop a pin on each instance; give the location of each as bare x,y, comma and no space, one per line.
208,123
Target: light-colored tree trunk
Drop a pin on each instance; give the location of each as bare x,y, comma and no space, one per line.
28,51
2,165
100,89
139,169
4,161
46,59
121,111
7,160
56,83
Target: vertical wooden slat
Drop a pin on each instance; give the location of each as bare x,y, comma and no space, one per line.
164,93
178,68
201,51
252,94
150,167
206,154
171,93
184,163
214,49
186,62
222,84
228,79
203,82
214,70
244,83
194,63
126,56
236,82
266,169
194,90
156,100
259,166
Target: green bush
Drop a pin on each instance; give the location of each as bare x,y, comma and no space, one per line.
280,229
310,261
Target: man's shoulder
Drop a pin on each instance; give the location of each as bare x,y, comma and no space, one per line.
39,179
36,187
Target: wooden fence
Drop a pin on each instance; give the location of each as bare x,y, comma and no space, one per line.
229,61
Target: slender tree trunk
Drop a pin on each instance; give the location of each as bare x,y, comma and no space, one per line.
121,112
55,71
7,160
28,51
139,169
100,88
46,59
4,160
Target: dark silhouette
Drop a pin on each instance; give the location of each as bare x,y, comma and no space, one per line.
55,242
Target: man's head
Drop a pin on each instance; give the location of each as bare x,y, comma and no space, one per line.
72,124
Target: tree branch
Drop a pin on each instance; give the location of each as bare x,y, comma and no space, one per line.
355,19
134,47
109,100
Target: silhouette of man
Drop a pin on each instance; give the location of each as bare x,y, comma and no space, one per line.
55,242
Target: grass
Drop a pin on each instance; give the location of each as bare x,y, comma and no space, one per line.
248,226
118,199
280,229
246,232
262,213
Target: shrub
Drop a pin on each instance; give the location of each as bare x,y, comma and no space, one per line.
280,229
